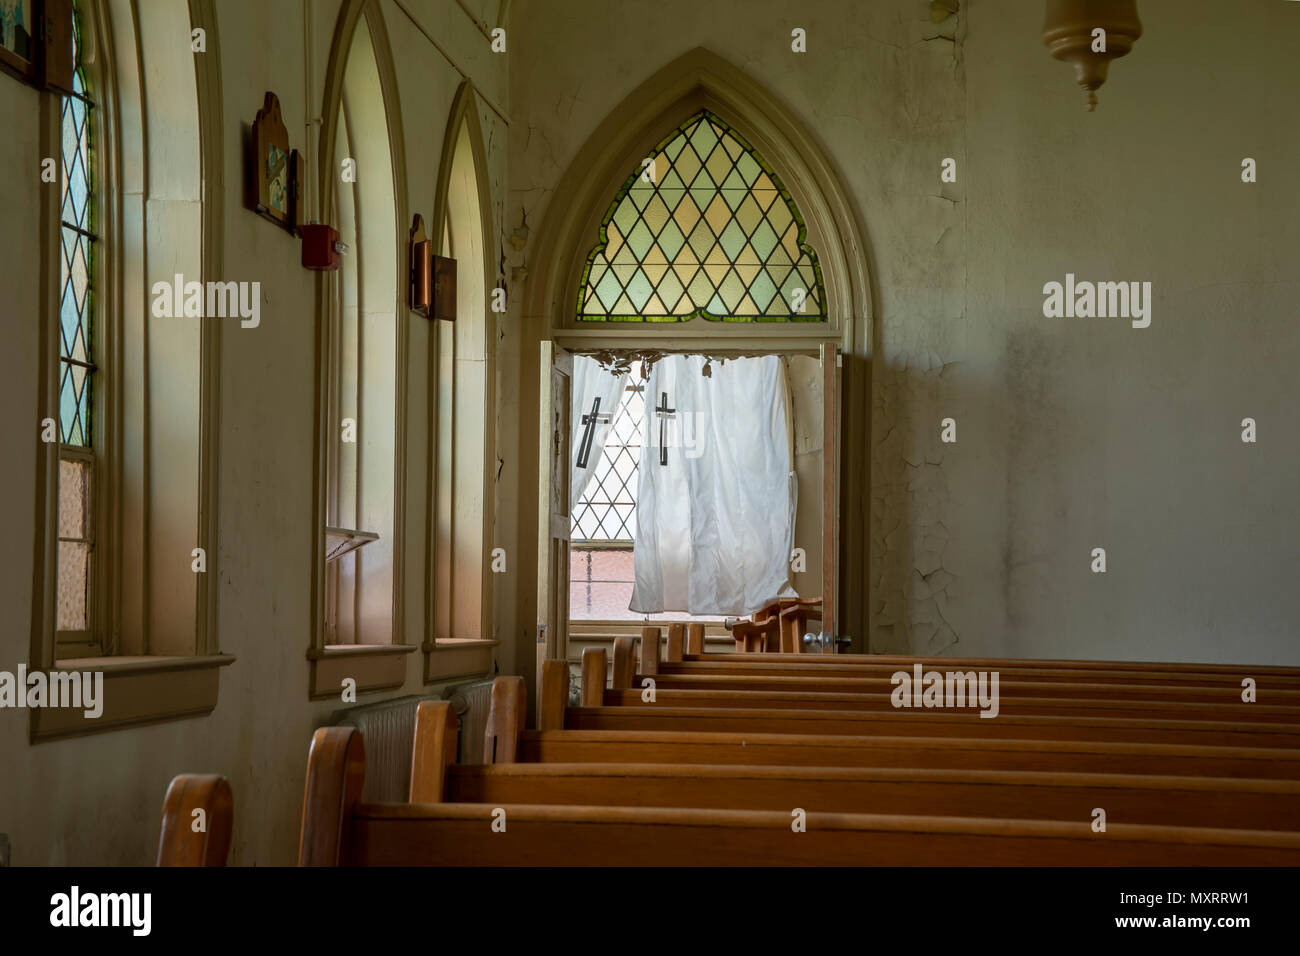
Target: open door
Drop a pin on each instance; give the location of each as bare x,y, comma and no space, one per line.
830,361
553,519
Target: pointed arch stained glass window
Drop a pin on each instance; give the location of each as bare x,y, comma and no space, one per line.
77,368
706,228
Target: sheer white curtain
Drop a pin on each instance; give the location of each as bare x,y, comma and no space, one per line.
591,385
716,488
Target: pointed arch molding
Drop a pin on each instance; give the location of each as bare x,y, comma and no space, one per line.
374,667
701,79
450,659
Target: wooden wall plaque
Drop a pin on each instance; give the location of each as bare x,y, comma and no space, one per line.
271,166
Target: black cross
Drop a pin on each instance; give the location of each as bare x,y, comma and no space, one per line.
664,413
584,446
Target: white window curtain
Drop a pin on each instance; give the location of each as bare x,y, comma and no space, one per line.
716,488
591,383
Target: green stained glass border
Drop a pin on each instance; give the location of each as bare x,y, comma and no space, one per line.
702,312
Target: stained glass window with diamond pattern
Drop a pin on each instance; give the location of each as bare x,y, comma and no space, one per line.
76,302
607,507
76,349
706,228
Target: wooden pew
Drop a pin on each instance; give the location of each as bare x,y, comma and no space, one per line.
932,724
1047,672
1238,713
462,835
1284,676
1024,698
1029,686
1028,795
845,666
339,830
1167,801
951,753
192,800
1089,745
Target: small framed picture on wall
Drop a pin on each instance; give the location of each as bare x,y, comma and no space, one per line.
18,30
272,161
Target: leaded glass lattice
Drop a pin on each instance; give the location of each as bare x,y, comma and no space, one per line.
713,233
606,510
77,243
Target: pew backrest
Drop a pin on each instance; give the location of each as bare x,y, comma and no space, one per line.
198,818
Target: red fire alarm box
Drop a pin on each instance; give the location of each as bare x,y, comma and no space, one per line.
321,249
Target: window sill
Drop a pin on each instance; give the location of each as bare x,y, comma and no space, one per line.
455,658
374,667
137,691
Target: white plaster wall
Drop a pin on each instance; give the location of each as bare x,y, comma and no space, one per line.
1072,434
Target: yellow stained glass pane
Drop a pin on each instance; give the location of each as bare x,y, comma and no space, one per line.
748,215
748,273
686,215
718,215
779,216
685,271
719,165
687,165
791,241
716,271
615,241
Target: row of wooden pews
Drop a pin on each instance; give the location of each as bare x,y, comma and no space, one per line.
781,759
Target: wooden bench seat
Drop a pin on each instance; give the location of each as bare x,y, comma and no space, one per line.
1239,712
1028,795
952,753
461,835
338,829
1221,693
1168,800
932,723
1289,675
833,667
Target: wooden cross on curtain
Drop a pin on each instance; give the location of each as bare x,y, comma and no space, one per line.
664,413
589,432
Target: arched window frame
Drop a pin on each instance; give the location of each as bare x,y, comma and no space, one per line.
373,666
460,637
155,639
699,80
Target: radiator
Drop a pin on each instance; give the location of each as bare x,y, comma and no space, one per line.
471,703
388,729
